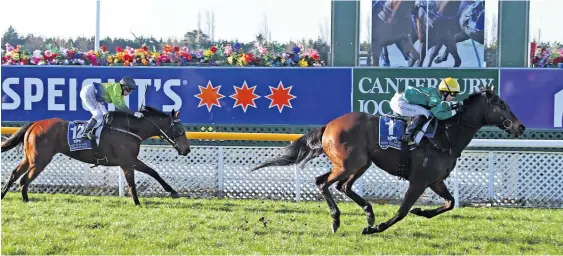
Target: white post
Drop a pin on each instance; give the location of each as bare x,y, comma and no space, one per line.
97,39
456,188
297,183
221,172
491,176
121,182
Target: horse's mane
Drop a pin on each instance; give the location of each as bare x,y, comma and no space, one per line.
482,92
147,112
150,111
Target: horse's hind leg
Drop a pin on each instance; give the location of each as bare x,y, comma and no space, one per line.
324,182
142,167
414,191
129,174
34,170
345,163
441,190
345,186
16,173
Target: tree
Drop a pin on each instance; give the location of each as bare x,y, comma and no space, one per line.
33,43
264,29
12,37
210,22
324,29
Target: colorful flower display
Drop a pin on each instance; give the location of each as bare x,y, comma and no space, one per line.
217,55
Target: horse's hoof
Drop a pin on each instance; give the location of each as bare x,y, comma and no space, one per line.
335,225
174,195
416,211
368,230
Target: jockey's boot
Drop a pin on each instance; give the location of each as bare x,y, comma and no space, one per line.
415,123
89,130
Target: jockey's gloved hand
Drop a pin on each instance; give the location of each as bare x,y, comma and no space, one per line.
138,114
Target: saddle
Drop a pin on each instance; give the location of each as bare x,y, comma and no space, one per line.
391,129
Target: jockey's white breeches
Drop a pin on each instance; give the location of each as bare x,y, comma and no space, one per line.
400,106
88,96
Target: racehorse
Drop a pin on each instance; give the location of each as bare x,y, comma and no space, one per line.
441,31
351,143
120,142
396,32
468,28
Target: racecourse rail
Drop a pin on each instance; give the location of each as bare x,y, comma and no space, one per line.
476,143
498,172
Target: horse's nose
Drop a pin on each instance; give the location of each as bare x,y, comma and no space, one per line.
521,128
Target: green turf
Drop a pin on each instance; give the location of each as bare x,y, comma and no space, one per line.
68,224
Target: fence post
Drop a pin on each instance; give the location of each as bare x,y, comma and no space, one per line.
220,172
456,188
297,183
121,182
361,186
491,176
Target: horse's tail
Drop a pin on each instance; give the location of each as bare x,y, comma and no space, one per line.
16,138
300,151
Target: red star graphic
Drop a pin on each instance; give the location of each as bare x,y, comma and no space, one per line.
209,96
244,96
281,97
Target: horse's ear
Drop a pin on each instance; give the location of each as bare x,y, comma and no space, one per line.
173,113
177,114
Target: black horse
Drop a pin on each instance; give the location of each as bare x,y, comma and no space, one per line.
120,142
471,17
351,143
390,25
442,28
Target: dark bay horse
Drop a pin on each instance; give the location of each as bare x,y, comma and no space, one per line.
442,28
390,25
120,142
468,29
351,143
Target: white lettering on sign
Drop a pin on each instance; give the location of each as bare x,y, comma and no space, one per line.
558,109
10,93
54,94
373,107
28,96
380,85
172,95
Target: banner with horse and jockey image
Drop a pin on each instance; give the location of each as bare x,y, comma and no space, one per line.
535,96
373,88
202,95
424,33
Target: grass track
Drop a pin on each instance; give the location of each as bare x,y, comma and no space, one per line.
69,224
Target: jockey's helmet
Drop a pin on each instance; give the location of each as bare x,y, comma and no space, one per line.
449,85
129,83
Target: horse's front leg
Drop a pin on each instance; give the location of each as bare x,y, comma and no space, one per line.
142,167
434,52
413,193
441,190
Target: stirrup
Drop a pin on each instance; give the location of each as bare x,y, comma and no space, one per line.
90,136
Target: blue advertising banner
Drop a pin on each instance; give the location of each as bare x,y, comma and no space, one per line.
534,95
301,96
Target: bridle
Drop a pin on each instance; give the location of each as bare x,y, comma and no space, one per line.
504,123
163,134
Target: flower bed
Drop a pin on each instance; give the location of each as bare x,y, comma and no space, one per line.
227,55
546,55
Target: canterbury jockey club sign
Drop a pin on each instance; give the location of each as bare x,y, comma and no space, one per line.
211,95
